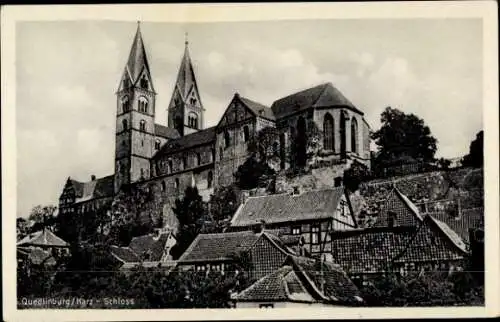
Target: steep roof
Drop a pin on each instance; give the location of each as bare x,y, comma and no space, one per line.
407,204
150,244
324,95
223,246
201,137
166,132
185,77
98,188
42,238
469,219
299,281
259,109
137,59
317,204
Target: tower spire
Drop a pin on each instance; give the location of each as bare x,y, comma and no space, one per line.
186,41
137,59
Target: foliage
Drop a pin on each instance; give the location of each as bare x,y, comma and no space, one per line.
253,173
130,215
403,136
476,154
356,174
191,212
22,227
265,144
443,163
42,216
304,147
223,204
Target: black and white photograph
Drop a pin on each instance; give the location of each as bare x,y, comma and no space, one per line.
210,163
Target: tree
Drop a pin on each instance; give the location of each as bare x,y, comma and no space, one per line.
265,144
476,154
42,216
191,212
304,144
356,174
22,227
403,136
223,204
253,173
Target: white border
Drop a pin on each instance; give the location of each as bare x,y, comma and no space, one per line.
252,12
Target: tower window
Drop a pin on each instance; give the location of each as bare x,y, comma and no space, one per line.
246,133
142,125
210,179
126,83
144,82
193,120
157,144
193,101
163,186
143,104
125,104
125,125
176,183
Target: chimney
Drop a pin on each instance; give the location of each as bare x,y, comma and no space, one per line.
92,177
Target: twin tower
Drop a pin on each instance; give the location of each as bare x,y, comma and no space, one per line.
137,136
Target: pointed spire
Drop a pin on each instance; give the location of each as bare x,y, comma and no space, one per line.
137,59
186,78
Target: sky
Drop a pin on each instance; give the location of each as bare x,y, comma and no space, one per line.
67,73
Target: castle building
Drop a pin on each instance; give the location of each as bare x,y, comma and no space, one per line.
170,158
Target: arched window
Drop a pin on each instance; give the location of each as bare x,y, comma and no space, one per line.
210,179
157,144
142,125
193,120
212,156
143,104
246,133
170,166
301,142
198,159
328,135
193,101
227,139
142,173
354,135
176,183
124,125
144,82
163,186
125,104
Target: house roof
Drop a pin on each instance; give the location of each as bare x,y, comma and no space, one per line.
150,244
277,208
382,218
42,238
469,219
258,108
201,137
124,254
299,280
223,246
166,132
98,188
324,95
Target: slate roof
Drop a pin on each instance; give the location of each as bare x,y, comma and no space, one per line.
317,204
223,246
373,250
42,238
258,108
469,219
124,254
98,188
324,95
202,137
299,281
166,132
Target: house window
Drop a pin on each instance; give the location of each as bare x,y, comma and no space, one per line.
125,125
391,219
246,133
227,139
210,179
296,231
266,306
315,235
142,125
157,144
328,135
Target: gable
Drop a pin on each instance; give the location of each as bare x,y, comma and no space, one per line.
398,205
344,212
236,111
266,256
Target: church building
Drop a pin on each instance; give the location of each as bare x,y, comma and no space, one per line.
185,153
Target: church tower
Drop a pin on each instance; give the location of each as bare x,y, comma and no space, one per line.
185,111
134,118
